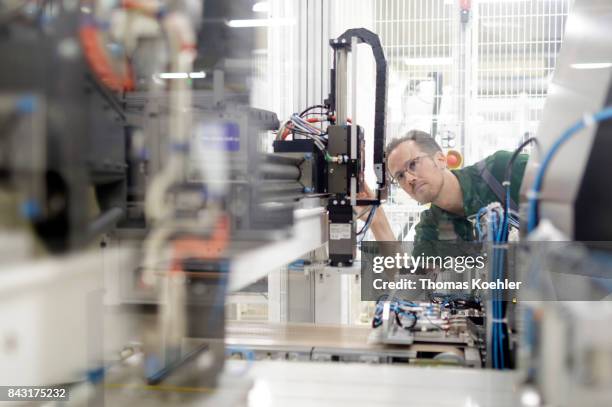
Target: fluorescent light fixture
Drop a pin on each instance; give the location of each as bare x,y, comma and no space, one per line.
182,75
592,65
260,22
428,61
261,7
197,75
174,75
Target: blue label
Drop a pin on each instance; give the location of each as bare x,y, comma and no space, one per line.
225,135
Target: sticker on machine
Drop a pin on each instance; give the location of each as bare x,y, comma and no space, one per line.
338,231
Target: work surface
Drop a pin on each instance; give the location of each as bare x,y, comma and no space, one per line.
295,383
298,384
269,334
300,336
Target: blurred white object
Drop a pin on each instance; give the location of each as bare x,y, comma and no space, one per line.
15,246
52,320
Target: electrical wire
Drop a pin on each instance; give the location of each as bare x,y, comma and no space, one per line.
498,235
308,109
602,115
368,222
498,221
363,212
395,306
303,127
508,171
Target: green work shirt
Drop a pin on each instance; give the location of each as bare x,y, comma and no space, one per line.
437,225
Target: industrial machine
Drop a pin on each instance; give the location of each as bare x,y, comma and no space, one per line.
120,150
138,189
566,216
334,155
117,148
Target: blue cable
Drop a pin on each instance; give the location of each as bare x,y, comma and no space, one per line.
498,235
604,114
492,235
498,294
501,238
368,222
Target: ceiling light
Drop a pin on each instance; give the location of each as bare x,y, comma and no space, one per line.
197,75
592,65
182,75
260,22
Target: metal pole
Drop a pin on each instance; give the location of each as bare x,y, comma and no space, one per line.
341,85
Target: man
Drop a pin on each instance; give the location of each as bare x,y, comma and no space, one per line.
417,164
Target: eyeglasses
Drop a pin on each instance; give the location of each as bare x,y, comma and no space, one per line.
410,166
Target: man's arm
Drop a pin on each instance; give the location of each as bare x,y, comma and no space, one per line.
380,226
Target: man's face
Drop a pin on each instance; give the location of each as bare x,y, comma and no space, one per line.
424,182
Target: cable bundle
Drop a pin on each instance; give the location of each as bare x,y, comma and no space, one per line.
395,306
498,221
368,222
300,125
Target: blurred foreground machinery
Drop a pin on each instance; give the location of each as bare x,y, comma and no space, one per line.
565,354
115,127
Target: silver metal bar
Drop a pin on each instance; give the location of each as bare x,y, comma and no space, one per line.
309,233
354,98
353,192
341,86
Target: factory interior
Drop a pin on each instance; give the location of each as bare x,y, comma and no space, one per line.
306,203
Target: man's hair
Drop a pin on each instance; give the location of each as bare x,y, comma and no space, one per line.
423,140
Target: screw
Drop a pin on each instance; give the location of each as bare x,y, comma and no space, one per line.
342,202
335,202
